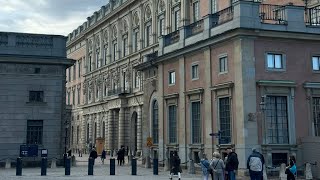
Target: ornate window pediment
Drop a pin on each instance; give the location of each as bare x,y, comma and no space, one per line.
105,36
114,32
147,16
161,7
90,44
136,20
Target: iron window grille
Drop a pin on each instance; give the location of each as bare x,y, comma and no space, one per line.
196,122
225,120
316,115
34,131
173,124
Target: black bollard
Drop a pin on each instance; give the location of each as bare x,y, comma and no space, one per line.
67,166
19,167
90,166
112,166
44,163
134,166
155,166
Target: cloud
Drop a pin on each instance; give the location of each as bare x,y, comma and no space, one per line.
46,16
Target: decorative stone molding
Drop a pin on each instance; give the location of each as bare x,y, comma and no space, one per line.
136,19
105,37
34,41
97,41
147,16
161,7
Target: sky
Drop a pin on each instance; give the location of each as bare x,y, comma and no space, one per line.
59,17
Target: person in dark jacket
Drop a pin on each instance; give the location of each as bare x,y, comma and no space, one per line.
232,164
93,154
103,156
255,165
175,162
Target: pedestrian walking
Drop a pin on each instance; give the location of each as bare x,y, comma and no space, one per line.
291,170
255,164
176,168
122,154
232,164
217,166
103,156
205,167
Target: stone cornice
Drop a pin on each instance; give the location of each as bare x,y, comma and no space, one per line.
278,83
222,86
171,96
194,91
312,85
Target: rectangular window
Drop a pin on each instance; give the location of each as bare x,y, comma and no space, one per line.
106,52
148,34
90,63
277,120
125,46
97,58
79,91
105,89
73,97
316,62
196,122
34,131
195,71
115,49
176,20
172,77
74,71
274,61
316,115
79,68
223,64
136,41
173,124
225,120
196,11
161,27
36,96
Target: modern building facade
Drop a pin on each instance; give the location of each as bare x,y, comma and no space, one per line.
179,70
32,86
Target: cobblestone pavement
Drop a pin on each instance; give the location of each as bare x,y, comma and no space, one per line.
101,172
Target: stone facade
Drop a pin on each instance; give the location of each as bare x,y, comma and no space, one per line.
129,49
32,86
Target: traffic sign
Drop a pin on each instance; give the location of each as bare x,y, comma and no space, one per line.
149,142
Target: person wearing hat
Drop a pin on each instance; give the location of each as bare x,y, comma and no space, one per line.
255,164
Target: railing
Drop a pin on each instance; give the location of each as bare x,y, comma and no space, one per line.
272,14
312,16
222,16
195,28
172,38
118,91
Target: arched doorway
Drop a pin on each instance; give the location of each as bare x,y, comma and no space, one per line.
134,133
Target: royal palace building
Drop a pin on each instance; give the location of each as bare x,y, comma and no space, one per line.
180,70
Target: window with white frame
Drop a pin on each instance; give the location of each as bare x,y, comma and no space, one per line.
106,53
316,115
196,14
161,26
136,40
172,77
196,122
148,35
276,115
115,51
225,120
275,61
316,63
125,46
97,58
176,19
223,64
172,117
195,71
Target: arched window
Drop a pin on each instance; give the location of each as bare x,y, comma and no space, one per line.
148,27
161,18
155,122
136,32
115,45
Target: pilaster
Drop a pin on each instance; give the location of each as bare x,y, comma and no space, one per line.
161,112
185,12
98,125
90,128
121,127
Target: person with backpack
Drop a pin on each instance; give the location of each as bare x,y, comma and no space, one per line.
255,164
176,168
232,164
217,166
291,170
205,167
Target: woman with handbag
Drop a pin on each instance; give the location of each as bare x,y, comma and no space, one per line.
217,166
205,167
291,170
